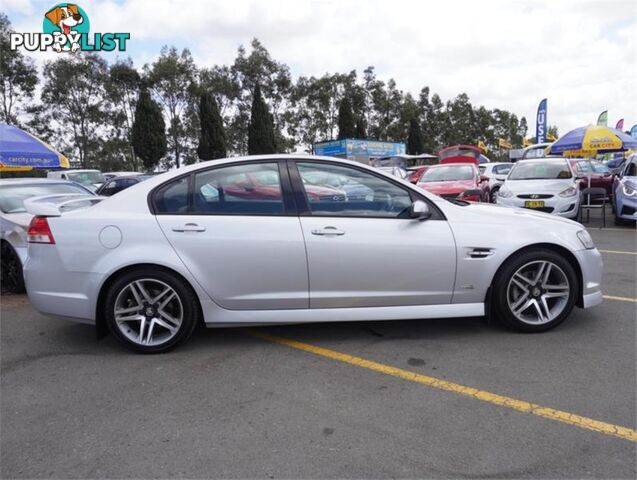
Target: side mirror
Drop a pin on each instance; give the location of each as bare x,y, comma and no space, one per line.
484,178
420,210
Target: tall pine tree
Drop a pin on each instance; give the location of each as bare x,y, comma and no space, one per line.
148,134
212,138
415,142
361,128
261,128
346,126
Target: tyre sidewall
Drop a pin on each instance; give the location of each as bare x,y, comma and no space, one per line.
188,301
502,310
12,256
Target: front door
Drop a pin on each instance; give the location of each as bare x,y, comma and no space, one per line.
236,231
363,248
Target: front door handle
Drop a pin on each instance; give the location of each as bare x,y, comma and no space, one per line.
189,227
328,231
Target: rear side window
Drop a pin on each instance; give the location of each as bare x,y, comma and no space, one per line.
246,189
173,197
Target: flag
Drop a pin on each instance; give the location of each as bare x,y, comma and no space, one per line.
540,128
602,120
620,125
550,137
633,131
503,143
482,146
526,142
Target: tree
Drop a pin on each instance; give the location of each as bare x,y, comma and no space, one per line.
122,88
18,76
346,124
361,127
74,105
171,78
149,131
261,129
212,139
415,143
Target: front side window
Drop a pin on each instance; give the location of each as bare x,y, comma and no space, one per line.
333,190
246,189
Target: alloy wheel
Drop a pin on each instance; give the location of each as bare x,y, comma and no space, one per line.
148,312
538,292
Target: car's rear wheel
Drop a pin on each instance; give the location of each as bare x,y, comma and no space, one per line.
535,291
150,310
11,273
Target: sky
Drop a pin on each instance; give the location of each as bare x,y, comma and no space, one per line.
579,54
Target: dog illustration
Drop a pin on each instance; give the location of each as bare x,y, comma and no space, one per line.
65,18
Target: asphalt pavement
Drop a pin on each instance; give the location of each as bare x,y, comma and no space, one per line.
448,398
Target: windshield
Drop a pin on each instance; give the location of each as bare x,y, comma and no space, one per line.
538,170
448,173
502,169
584,166
12,197
86,177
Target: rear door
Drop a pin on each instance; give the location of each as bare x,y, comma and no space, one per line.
242,241
363,248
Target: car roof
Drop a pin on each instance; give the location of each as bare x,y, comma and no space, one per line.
26,181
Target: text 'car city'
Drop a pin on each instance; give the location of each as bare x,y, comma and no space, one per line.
290,239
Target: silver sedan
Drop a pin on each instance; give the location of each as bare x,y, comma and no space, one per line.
150,263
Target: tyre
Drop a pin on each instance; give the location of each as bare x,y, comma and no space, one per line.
493,195
535,291
150,310
11,274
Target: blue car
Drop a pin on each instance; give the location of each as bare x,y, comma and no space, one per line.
625,192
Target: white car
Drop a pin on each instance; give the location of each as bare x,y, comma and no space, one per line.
497,173
110,175
14,221
92,179
545,184
151,262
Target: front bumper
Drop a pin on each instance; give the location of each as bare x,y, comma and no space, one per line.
626,207
591,266
556,205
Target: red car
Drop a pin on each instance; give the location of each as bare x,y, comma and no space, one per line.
414,173
456,180
600,175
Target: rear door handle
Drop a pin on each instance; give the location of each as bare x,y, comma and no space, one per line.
328,231
189,227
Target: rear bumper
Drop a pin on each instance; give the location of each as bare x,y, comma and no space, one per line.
70,295
591,265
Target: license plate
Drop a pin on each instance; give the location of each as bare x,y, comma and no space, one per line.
534,204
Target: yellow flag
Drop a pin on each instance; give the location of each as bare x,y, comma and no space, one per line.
503,143
526,142
550,137
482,146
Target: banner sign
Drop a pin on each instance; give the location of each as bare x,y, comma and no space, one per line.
602,120
540,129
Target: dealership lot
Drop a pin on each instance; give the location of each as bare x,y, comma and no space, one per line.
307,401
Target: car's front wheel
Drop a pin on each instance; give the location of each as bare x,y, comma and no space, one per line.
150,310
493,195
535,291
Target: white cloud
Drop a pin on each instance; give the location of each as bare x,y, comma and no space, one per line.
580,54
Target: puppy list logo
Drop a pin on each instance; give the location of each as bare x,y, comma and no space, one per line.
66,29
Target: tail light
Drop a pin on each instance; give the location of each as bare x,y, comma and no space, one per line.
39,231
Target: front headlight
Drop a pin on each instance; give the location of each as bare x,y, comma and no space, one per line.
628,190
586,239
505,193
569,192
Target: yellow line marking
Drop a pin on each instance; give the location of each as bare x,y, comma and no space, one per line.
493,398
618,251
620,299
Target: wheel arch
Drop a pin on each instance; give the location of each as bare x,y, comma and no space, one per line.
101,329
565,252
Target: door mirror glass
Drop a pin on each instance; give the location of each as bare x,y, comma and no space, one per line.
420,210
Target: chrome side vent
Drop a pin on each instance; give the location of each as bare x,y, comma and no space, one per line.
479,252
